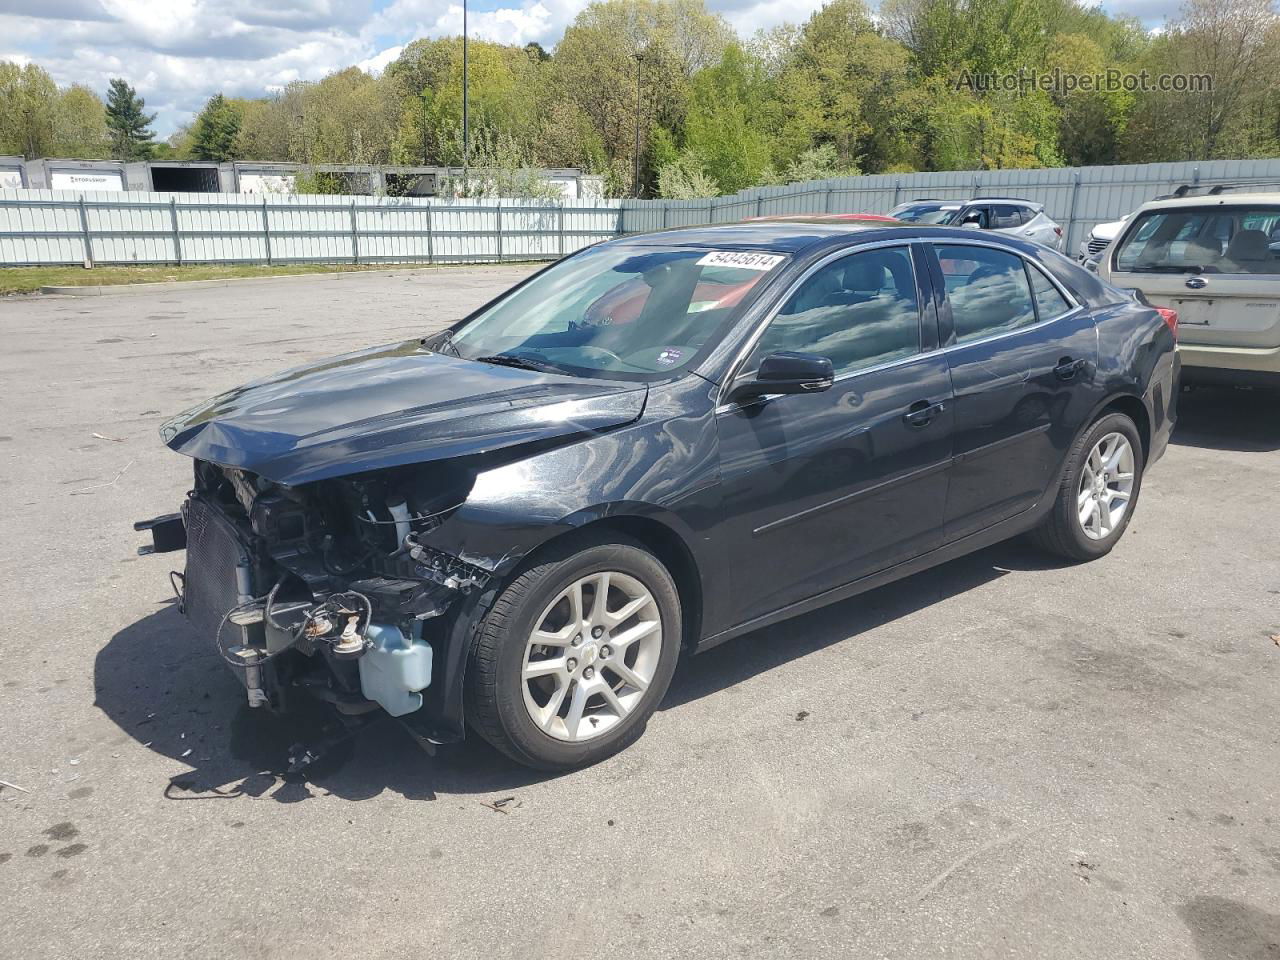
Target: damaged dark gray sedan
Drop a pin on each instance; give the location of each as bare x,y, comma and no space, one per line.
518,524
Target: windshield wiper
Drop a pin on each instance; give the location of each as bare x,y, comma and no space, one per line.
521,362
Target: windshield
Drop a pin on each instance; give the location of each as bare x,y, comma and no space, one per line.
1218,239
622,311
922,213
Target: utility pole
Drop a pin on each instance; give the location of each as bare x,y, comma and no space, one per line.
426,92
635,186
466,133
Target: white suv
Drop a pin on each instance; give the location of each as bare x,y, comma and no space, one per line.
1018,218
1216,261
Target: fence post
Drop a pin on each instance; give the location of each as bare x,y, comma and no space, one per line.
177,239
897,191
665,209
560,228
84,228
266,230
759,204
618,230
431,258
826,203
497,216
355,237
1071,217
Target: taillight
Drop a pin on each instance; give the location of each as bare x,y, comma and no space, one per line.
1170,319
1058,231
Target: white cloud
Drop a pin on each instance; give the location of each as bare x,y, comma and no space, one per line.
178,53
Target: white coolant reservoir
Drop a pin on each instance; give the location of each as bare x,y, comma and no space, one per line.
395,669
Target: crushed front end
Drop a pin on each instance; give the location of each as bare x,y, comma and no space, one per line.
326,589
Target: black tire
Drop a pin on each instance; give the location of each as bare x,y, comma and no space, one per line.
1061,532
495,688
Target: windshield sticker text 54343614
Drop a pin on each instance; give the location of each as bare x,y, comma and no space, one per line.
743,260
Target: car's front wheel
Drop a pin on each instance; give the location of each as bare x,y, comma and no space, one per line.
575,655
1098,491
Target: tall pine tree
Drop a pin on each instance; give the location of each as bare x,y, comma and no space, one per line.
130,125
216,129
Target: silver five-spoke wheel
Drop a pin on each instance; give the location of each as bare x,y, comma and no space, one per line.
1106,486
591,656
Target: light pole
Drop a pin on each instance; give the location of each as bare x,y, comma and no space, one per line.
466,133
635,186
426,93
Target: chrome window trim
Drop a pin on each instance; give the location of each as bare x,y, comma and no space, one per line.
744,353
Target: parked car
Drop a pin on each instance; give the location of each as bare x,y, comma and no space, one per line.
1216,261
1009,215
518,524
926,211
1099,238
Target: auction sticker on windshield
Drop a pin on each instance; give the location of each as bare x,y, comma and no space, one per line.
743,260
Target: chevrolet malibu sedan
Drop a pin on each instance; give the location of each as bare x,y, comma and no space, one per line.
518,524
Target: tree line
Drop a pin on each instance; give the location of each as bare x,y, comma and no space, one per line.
664,99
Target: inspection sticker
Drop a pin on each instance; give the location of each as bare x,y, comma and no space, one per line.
743,260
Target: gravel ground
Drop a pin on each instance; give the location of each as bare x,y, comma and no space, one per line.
1000,757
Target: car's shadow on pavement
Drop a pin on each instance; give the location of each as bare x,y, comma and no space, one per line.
744,657
1221,418
174,696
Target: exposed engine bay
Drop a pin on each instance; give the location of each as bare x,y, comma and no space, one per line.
326,588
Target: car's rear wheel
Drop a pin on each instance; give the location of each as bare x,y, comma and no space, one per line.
1098,491
575,655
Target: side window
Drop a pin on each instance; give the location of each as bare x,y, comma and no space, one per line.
1049,302
858,311
987,290
1026,215
1004,216
977,215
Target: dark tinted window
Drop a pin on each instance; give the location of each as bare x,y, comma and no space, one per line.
859,311
1005,216
1049,302
987,290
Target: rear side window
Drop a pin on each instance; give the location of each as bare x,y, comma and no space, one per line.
1005,216
987,290
1049,302
858,311
1219,239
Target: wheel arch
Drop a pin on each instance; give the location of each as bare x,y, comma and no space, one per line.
1131,406
661,539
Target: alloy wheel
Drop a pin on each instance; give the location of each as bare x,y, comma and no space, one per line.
591,656
1106,486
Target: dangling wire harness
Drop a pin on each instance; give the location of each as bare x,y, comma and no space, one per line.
319,622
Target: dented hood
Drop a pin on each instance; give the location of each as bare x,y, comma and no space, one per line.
389,406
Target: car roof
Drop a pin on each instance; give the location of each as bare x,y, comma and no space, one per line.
1216,200
802,236
781,236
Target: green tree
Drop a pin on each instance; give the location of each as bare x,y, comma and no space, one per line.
215,134
128,122
28,98
720,128
80,125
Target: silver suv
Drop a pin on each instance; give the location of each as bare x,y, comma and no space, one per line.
1019,218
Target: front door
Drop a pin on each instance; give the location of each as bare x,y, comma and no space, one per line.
1022,359
822,489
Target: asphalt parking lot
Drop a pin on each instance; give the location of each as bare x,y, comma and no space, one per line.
1002,757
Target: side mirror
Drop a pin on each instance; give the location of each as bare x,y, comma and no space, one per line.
787,373
974,222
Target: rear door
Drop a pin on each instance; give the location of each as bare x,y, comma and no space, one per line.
1217,265
1022,356
822,489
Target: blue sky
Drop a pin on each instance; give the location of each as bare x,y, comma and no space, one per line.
180,52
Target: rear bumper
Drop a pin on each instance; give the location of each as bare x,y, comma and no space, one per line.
1230,365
